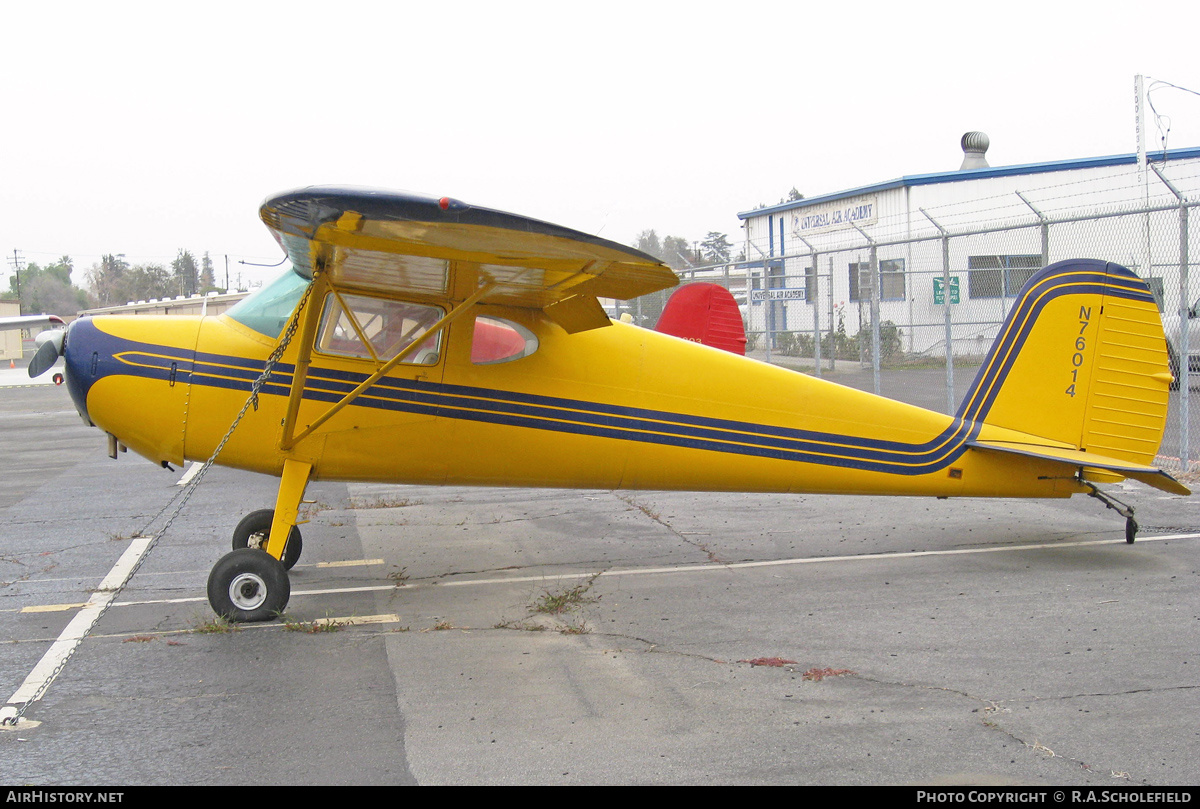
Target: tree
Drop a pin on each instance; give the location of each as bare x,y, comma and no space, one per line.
677,252
647,241
793,196
49,289
146,281
114,282
208,281
716,248
674,251
107,280
186,273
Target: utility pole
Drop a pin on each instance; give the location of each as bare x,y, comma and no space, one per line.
17,262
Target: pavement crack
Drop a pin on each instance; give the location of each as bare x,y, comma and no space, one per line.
993,709
1117,693
631,501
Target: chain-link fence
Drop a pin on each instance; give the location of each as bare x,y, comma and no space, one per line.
912,318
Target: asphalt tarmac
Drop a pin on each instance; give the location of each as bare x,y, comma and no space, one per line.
503,636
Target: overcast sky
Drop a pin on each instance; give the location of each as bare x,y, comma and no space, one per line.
138,128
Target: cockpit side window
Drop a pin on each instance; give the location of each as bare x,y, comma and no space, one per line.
378,329
498,340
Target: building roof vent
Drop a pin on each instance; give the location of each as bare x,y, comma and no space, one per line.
974,146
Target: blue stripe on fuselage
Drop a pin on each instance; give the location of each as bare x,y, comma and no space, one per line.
119,356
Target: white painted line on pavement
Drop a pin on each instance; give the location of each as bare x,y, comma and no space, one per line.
193,469
51,663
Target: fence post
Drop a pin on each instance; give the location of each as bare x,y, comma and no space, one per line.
1185,361
875,291
1045,229
946,313
873,274
768,311
1185,349
833,351
815,297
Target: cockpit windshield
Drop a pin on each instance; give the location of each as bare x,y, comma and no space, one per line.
267,311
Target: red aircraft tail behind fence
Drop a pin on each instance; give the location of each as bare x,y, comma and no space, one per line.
704,313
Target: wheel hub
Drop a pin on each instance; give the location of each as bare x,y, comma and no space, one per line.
247,591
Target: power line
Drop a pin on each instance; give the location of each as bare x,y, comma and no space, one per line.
1159,119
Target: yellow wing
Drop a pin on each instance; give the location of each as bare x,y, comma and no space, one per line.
401,243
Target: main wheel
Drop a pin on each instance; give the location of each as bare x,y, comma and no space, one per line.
255,529
248,585
1131,529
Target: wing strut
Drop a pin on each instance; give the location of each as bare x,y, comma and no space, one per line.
303,359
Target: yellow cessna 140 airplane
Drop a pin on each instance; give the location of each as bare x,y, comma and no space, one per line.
426,341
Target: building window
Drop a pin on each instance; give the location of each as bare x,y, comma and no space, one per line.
999,276
860,280
891,280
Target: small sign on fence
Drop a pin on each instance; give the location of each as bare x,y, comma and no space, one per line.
939,292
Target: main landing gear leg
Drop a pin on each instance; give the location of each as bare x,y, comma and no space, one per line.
251,583
1126,511
287,506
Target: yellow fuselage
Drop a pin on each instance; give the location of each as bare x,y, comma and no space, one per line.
614,407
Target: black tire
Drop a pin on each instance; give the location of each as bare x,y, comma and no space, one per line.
1131,529
58,379
254,530
248,585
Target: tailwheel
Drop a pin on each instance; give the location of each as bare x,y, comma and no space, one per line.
1126,511
248,585
254,530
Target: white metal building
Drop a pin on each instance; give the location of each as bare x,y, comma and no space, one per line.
965,240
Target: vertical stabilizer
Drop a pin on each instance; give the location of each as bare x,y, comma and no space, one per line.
704,313
1080,360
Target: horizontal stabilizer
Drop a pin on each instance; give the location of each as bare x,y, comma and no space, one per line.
1149,475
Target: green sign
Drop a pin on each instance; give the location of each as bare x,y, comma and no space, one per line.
939,292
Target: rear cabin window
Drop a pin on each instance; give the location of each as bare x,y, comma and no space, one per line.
379,329
498,340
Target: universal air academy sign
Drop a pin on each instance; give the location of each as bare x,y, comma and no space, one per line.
819,219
